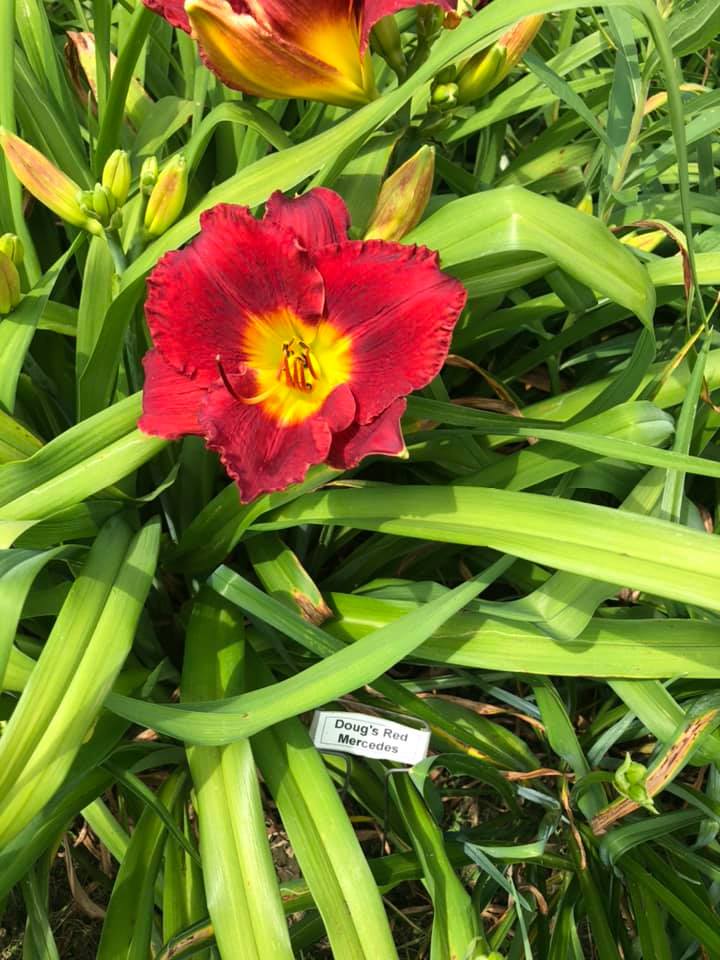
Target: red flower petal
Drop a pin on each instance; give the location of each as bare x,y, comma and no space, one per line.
316,218
381,436
296,20
374,10
170,400
398,308
326,29
172,10
259,453
201,296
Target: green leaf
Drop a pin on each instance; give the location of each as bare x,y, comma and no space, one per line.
217,722
242,890
86,649
650,554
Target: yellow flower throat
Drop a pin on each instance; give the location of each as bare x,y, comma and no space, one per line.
296,365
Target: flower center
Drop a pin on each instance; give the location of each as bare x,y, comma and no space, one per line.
296,365
299,367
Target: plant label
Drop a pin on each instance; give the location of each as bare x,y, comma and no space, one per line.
369,736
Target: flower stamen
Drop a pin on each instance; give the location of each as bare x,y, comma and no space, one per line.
298,365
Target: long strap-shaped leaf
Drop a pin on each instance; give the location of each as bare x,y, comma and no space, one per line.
606,647
88,645
241,887
322,838
221,721
621,548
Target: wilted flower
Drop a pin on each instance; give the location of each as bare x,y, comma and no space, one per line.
81,57
285,344
315,49
46,182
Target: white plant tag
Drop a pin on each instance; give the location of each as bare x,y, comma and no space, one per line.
368,736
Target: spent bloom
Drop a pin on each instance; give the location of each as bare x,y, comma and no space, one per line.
285,345
316,49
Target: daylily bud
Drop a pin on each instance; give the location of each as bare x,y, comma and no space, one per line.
12,246
445,95
486,69
98,203
168,197
9,285
45,182
387,37
629,782
116,175
429,21
403,197
586,204
148,175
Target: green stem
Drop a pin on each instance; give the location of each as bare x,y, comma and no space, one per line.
101,25
111,124
10,189
116,251
677,121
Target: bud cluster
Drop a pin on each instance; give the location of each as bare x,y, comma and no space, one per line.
486,69
630,782
104,201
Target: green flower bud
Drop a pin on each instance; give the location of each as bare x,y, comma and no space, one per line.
444,95
403,197
168,197
148,175
116,175
387,37
12,246
629,782
489,67
103,203
98,203
9,285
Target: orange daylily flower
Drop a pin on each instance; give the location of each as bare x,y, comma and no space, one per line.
315,49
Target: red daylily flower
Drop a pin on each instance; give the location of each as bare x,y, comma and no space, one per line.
316,49
284,344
